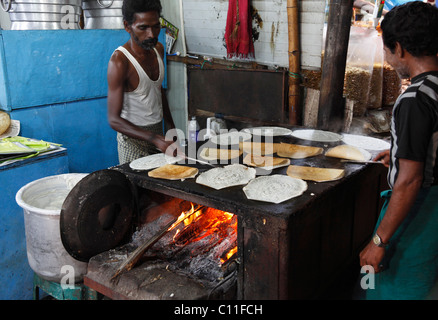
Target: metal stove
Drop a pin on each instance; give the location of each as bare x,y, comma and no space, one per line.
298,249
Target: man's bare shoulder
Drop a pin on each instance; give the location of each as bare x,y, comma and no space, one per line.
118,67
118,59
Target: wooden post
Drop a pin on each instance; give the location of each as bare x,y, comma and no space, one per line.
294,63
331,104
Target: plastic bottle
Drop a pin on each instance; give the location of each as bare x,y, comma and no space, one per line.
193,130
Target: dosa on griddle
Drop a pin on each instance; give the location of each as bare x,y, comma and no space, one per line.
348,152
296,151
265,161
173,172
153,161
219,154
276,188
259,148
228,176
314,174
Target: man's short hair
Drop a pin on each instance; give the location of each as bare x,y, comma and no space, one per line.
131,7
414,25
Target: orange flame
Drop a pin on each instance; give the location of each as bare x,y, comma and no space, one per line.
229,255
183,216
217,219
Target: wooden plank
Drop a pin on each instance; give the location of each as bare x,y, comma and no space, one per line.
331,104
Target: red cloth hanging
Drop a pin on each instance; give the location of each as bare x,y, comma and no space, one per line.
238,32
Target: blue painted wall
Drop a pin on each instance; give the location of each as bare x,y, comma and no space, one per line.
55,83
47,67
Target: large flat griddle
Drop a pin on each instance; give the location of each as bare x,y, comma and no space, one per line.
234,200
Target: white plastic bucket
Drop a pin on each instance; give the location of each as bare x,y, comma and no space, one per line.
42,201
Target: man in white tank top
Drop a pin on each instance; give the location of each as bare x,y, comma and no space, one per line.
137,103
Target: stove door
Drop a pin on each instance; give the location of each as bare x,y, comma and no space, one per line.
97,215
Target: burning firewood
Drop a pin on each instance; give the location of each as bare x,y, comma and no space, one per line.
135,256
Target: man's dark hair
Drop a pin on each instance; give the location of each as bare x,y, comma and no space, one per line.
415,26
131,7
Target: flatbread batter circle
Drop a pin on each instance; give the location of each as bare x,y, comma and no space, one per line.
364,142
153,161
276,188
228,176
268,131
317,135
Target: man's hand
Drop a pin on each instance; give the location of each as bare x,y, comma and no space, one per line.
372,255
383,157
170,148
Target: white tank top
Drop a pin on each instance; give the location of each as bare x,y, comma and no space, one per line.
143,106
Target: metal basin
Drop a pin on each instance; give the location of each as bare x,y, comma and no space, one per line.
42,17
103,14
102,4
45,15
97,13
40,8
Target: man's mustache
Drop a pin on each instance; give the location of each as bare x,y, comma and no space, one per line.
149,43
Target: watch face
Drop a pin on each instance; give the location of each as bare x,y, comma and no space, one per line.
376,240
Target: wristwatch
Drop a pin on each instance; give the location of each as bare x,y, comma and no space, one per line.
378,242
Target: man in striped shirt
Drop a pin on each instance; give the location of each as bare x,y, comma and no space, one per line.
404,248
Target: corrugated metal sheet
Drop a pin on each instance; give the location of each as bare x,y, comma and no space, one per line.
205,21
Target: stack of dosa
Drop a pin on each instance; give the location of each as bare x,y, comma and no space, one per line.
173,172
211,154
259,148
266,162
295,151
314,174
348,152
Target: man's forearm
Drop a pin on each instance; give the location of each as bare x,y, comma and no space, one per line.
404,193
402,200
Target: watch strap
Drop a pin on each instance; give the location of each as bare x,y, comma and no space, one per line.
378,241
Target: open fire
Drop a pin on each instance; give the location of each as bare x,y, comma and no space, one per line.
201,243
